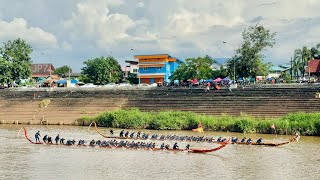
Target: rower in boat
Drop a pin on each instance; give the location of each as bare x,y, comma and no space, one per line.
175,146
45,138
162,146
126,134
57,139
219,139
49,139
154,136
98,143
223,140
138,134
70,142
259,141
144,136
162,137
80,142
92,142
121,133
188,147
111,132
62,141
131,135
37,136
243,140
234,139
167,146
249,141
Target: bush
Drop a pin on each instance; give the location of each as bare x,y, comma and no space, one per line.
305,123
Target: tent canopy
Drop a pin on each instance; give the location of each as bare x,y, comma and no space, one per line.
209,80
226,79
74,81
62,81
217,80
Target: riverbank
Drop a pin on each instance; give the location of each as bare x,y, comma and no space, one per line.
304,123
66,106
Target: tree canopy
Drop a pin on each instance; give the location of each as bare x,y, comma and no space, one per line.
194,68
15,61
101,70
248,58
301,58
62,70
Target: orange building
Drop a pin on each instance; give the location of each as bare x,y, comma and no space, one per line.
156,68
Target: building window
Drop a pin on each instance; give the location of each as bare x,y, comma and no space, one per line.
145,69
159,68
135,70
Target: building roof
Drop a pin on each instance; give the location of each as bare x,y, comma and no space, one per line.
221,61
157,56
314,66
72,74
276,68
131,61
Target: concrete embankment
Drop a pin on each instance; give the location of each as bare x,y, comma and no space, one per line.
66,106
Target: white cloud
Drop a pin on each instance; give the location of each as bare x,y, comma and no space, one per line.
66,46
182,28
140,5
93,21
18,28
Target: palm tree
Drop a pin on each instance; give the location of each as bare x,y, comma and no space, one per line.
304,56
315,52
296,63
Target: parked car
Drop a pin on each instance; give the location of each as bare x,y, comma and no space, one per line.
143,85
125,85
89,85
110,85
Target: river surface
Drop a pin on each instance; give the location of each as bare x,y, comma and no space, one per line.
20,159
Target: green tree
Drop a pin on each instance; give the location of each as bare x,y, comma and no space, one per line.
5,72
198,68
16,60
249,58
133,78
315,52
101,71
63,70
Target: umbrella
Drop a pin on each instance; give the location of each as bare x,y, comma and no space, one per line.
217,80
62,81
209,80
74,81
226,79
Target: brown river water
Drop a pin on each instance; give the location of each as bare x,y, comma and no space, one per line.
20,159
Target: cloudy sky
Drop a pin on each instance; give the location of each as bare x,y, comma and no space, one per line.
70,32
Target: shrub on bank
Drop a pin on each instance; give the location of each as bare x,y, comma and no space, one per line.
305,123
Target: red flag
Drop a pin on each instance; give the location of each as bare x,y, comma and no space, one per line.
273,126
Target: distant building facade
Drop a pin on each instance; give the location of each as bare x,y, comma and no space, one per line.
42,70
156,68
314,68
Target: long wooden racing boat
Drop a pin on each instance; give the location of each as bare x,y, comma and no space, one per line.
222,145
240,143
263,144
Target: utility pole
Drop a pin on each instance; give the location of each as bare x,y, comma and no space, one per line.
69,72
138,67
291,68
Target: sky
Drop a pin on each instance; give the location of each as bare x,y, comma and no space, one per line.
69,32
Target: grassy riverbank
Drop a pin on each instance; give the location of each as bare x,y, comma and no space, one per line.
305,123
